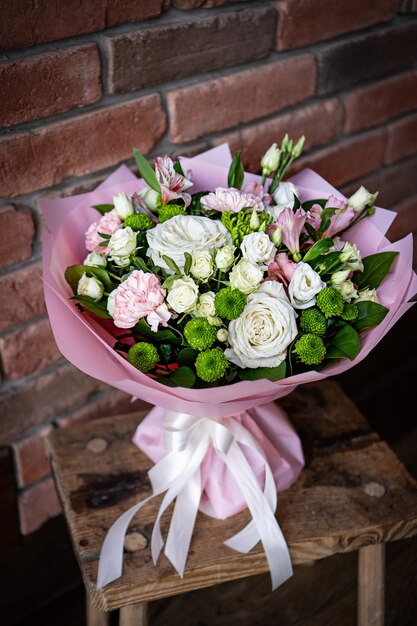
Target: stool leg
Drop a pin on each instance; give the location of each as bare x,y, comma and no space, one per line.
134,615
95,617
371,575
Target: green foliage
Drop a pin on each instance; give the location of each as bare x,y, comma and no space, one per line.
73,274
103,208
143,329
270,373
182,377
236,171
98,308
345,344
375,269
320,247
146,171
369,314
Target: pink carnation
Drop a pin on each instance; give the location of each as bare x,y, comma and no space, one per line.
141,295
107,224
223,199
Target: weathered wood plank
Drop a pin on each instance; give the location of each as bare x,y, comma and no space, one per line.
352,493
371,586
134,615
95,617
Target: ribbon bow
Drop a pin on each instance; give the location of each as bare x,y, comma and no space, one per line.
188,439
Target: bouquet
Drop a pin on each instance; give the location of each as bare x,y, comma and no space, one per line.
201,276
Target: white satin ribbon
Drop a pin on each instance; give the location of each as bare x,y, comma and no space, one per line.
188,439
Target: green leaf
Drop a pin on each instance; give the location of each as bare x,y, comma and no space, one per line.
171,264
311,231
182,377
370,314
309,203
104,235
161,336
187,264
98,308
376,267
167,284
319,248
103,208
178,168
270,373
146,171
187,356
344,345
73,274
326,217
165,349
140,264
236,171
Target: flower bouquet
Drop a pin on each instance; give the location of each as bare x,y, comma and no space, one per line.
211,292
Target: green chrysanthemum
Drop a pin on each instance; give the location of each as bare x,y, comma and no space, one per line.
211,365
330,302
310,349
143,356
312,321
350,312
200,334
229,303
170,210
138,221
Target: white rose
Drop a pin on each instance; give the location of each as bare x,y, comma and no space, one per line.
361,199
184,233
367,295
122,243
225,258
245,276
205,305
270,160
258,248
183,295
259,337
304,286
284,196
347,289
123,205
201,265
151,198
351,256
95,259
90,286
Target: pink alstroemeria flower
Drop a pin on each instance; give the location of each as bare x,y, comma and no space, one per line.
231,199
281,269
339,221
173,185
292,224
256,189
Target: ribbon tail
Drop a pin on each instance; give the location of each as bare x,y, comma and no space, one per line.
183,522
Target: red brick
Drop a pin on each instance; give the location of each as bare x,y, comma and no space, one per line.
89,142
113,403
21,295
303,22
406,220
402,139
49,83
31,459
42,399
347,161
145,57
28,350
242,97
37,504
18,231
320,122
408,6
371,105
187,5
123,11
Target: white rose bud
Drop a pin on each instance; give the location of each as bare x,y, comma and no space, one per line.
151,198
254,221
245,276
222,334
183,295
225,258
258,248
367,295
122,243
347,289
205,306
276,236
94,259
304,286
361,199
351,255
340,277
123,205
270,160
121,261
90,286
202,265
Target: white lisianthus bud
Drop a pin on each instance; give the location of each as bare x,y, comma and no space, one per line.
270,160
122,243
245,276
95,259
352,257
225,257
121,261
202,265
205,306
122,205
284,196
223,334
276,236
151,198
367,295
254,221
214,320
347,289
361,199
90,286
298,148
183,295
339,277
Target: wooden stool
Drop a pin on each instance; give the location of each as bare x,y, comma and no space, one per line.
353,494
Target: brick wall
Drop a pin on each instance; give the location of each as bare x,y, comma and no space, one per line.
83,82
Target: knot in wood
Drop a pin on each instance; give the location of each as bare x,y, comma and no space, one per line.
374,489
135,541
97,445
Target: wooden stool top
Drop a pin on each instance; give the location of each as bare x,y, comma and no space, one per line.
353,492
